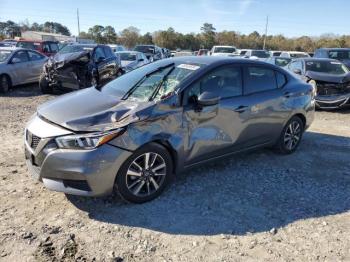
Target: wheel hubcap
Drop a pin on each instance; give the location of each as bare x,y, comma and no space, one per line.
292,135
146,174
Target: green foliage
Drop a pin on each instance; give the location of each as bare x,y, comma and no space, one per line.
172,40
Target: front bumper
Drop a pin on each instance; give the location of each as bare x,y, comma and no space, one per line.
78,172
332,101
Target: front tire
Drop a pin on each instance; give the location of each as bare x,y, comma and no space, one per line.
5,84
44,85
291,136
145,175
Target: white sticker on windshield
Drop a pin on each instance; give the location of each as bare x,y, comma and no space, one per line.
189,67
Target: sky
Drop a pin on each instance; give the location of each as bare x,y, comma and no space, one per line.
291,18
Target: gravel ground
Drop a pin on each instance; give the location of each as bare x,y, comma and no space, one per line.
257,206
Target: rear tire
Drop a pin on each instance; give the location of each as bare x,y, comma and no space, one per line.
44,85
138,180
291,136
5,84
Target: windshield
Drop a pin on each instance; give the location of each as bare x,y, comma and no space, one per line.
140,85
276,53
329,67
339,54
4,54
260,53
224,50
127,56
298,55
144,49
75,48
283,61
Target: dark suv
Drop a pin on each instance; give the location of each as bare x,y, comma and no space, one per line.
78,66
341,54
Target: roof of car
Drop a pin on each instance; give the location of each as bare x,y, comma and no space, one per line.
312,59
126,52
334,48
13,48
213,59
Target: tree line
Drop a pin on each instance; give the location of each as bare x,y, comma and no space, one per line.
172,40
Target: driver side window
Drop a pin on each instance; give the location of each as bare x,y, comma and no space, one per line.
98,54
225,81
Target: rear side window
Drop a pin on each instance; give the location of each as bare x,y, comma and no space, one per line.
258,79
280,79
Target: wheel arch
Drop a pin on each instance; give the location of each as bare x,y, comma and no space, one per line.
301,116
167,145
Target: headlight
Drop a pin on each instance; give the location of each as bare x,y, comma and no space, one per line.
87,141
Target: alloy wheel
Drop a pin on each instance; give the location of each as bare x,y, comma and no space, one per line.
292,135
146,174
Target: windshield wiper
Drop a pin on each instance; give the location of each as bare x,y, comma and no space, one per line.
155,92
131,90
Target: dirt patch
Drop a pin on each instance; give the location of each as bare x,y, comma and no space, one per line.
251,207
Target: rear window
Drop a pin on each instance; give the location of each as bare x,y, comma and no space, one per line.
145,49
29,45
339,54
258,79
260,54
283,61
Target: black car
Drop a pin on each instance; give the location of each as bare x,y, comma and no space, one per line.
78,66
341,54
278,61
152,52
330,78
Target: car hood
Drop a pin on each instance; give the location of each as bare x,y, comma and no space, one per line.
91,110
67,57
328,77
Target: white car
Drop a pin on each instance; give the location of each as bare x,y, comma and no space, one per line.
294,54
221,50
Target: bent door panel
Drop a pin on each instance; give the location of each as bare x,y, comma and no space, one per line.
213,130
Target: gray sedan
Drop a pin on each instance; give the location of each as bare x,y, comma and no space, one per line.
138,130
131,60
19,66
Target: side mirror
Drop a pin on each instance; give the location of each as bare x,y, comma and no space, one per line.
100,59
297,71
15,60
208,99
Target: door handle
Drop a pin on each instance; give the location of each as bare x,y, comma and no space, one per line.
241,109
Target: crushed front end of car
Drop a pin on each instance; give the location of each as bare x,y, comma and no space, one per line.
332,95
69,71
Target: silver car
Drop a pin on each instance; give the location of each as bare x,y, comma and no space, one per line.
138,130
131,60
19,66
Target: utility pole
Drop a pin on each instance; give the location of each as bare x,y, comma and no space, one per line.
267,24
78,22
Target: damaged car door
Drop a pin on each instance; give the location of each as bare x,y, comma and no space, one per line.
211,114
105,65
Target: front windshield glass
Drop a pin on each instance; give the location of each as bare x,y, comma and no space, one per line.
4,54
260,53
282,61
329,67
75,48
224,50
339,54
140,85
144,49
127,56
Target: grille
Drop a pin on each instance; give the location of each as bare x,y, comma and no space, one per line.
35,141
32,140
